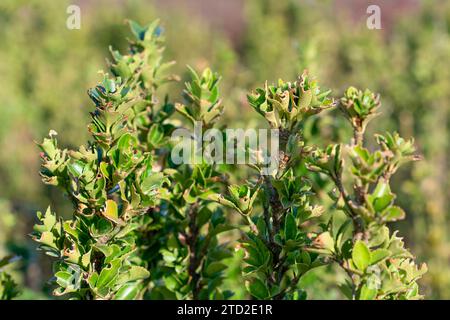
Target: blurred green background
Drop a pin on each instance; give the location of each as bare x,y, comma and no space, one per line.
45,70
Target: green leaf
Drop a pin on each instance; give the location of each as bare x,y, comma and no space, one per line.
214,268
257,289
204,215
346,289
361,255
48,239
153,182
155,135
305,99
108,274
367,293
223,201
101,227
171,282
381,197
127,292
125,142
290,227
393,213
86,259
111,211
64,279
49,147
219,229
341,232
137,30
92,280
379,255
49,219
137,273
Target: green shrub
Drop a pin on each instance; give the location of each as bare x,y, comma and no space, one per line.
8,287
144,227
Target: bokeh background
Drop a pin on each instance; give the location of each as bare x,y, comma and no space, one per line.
45,70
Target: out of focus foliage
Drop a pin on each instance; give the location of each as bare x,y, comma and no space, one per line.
45,67
8,287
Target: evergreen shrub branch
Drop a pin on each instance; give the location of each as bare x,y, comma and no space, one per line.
144,227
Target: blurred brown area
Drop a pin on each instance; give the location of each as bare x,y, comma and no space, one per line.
228,15
391,10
